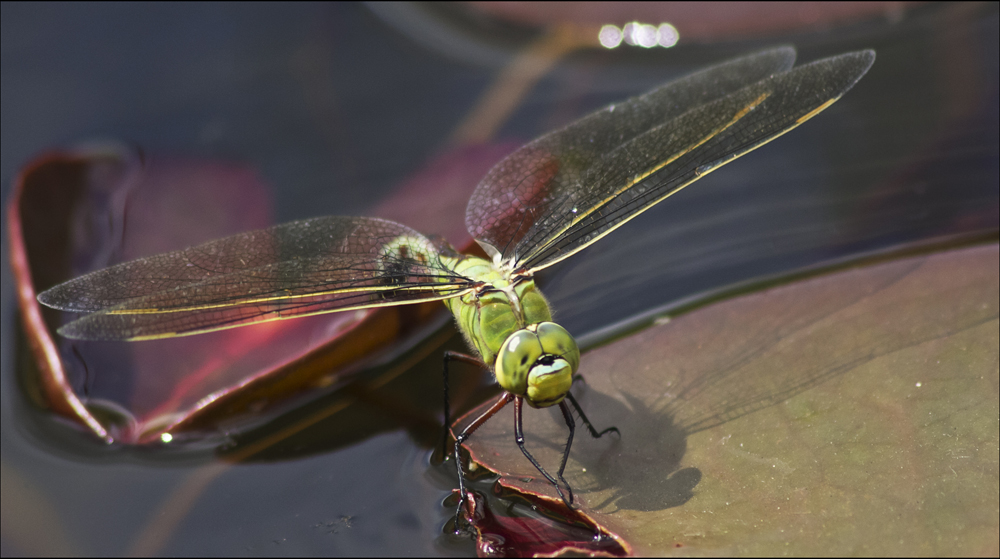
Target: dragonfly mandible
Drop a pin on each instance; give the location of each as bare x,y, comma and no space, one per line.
545,202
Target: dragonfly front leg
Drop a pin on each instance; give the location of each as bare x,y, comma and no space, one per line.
519,438
569,443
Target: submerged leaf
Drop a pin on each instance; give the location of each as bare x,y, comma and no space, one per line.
74,212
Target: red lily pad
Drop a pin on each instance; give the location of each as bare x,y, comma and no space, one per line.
850,413
74,212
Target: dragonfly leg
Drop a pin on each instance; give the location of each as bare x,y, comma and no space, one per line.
590,426
505,399
519,438
571,423
448,357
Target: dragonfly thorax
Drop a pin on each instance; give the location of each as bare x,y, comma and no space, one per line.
508,321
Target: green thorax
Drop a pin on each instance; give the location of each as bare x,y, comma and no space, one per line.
487,318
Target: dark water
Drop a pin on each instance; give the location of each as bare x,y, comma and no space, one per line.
335,107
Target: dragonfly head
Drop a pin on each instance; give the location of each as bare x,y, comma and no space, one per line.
538,362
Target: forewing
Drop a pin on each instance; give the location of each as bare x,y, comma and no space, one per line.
522,189
587,199
295,269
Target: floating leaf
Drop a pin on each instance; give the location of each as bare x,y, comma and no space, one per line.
850,413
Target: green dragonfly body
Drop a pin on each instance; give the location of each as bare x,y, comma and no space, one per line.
510,326
548,200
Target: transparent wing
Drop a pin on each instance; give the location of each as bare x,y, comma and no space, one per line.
300,268
562,192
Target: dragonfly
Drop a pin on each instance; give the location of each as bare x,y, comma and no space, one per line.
547,201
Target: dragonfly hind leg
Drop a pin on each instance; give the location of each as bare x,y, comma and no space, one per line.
448,357
505,399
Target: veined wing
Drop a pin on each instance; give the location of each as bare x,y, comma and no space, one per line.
562,192
518,191
295,269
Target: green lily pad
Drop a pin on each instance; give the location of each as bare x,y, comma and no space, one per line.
850,413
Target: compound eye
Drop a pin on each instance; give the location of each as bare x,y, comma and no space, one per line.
516,358
557,341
